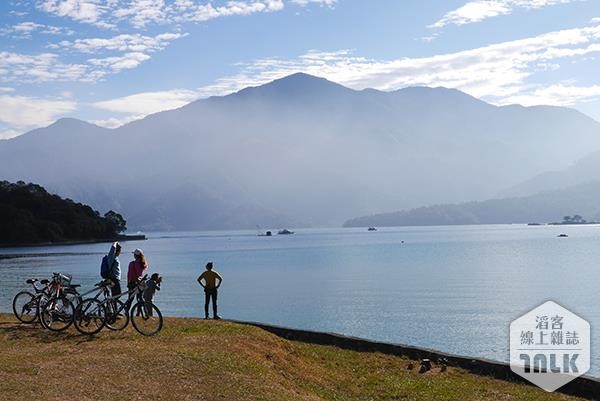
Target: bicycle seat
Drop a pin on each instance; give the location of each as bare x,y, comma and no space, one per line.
31,280
44,281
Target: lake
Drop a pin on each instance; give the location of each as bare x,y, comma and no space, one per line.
451,288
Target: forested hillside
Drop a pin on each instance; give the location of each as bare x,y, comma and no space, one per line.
29,215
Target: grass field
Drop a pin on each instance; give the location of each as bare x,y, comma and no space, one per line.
217,360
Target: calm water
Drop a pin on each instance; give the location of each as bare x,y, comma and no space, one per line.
454,289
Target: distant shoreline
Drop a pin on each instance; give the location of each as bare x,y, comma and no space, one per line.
7,256
137,237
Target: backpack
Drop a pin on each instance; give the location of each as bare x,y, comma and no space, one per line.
105,270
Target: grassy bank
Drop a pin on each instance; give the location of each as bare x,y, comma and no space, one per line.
210,360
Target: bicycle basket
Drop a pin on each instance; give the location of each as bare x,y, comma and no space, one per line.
64,279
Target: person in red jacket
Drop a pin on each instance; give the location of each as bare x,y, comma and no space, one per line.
137,268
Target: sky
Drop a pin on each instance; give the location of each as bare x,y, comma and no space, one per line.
113,61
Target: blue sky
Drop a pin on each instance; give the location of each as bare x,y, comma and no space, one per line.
112,61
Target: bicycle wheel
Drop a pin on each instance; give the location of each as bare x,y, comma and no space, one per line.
117,317
90,317
72,295
146,318
57,314
25,307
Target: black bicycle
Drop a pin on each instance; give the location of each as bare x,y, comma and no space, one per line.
57,311
95,313
90,315
26,304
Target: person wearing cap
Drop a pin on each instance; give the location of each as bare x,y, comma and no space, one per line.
210,286
137,268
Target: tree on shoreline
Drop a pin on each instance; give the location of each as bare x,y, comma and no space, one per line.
116,220
576,219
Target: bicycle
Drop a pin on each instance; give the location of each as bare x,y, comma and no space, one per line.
92,314
26,304
57,312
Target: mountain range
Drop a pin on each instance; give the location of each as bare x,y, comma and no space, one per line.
302,151
543,207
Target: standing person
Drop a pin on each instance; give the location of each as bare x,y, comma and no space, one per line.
210,288
152,285
136,269
114,268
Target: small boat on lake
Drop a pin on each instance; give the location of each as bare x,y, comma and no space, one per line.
285,231
372,229
562,235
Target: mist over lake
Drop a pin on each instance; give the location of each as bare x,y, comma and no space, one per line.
451,288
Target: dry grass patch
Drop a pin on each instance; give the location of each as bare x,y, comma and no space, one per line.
216,360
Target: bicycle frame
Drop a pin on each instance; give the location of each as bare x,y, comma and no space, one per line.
40,291
131,294
104,290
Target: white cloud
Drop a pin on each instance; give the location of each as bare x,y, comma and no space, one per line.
9,133
22,113
44,67
114,122
328,3
479,10
18,13
140,13
122,43
118,63
88,11
142,104
139,105
48,67
556,95
25,29
188,11
474,11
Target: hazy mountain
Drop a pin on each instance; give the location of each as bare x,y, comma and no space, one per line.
544,207
299,151
584,170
